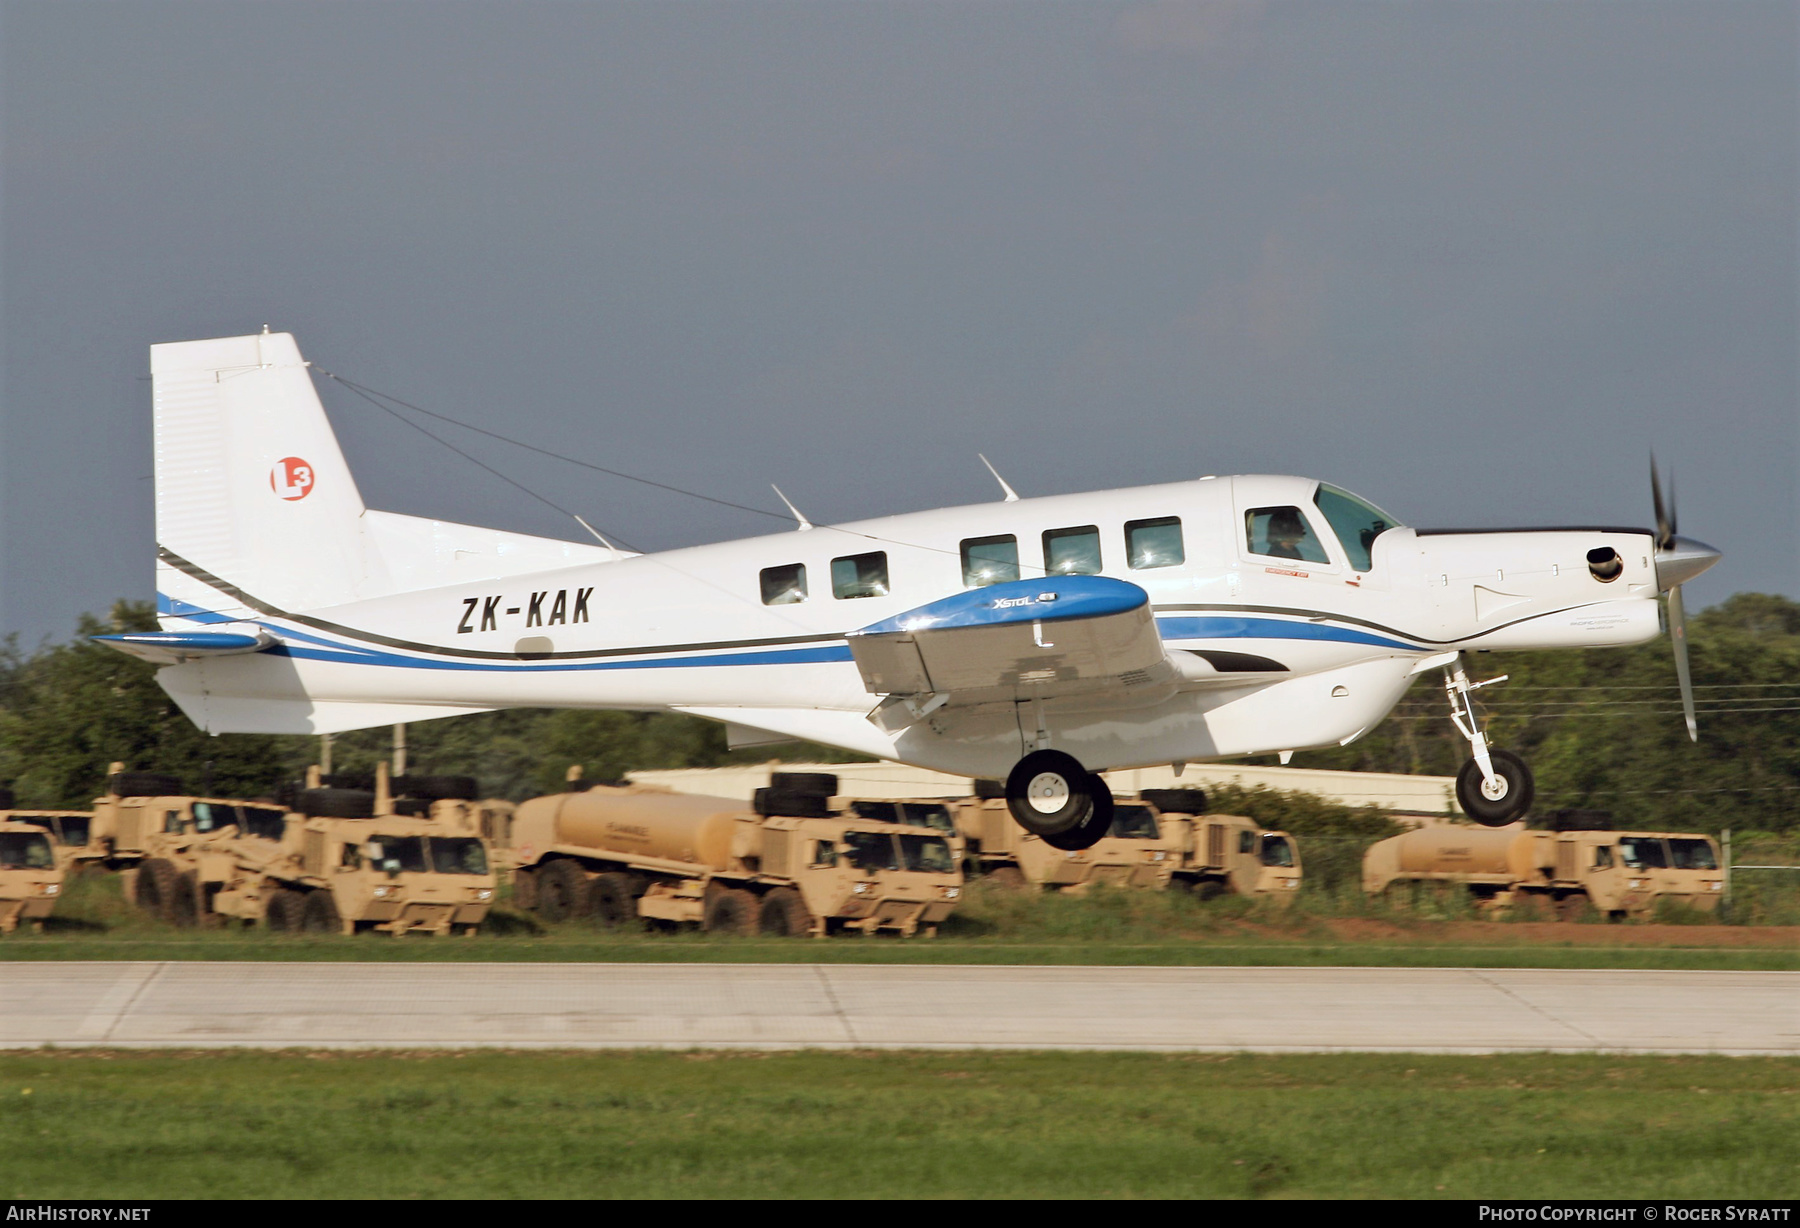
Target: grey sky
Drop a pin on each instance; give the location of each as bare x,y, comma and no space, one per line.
1469,260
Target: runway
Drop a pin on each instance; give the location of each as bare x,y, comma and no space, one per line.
781,1006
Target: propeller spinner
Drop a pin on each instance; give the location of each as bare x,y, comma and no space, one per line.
1678,560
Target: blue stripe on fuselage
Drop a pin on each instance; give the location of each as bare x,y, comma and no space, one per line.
1185,627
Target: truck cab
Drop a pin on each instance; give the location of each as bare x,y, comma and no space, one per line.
30,878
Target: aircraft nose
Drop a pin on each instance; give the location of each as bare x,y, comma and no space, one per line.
1681,560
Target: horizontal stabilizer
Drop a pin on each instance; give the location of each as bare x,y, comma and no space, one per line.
174,647
1023,639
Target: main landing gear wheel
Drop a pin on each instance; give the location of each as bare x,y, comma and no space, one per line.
1056,799
1498,802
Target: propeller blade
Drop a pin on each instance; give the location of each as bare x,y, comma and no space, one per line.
1665,525
1678,640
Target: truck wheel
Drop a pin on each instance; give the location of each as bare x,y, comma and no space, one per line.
184,901
1572,907
156,887
143,784
524,890
437,788
815,784
1209,889
784,914
562,891
319,914
284,912
612,899
1006,878
730,911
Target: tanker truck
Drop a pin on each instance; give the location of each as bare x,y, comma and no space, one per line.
1161,839
644,855
1618,873
30,878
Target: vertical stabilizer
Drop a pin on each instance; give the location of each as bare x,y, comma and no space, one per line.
251,487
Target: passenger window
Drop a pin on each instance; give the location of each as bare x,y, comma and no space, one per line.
1602,857
351,857
824,853
1154,543
784,585
1282,533
1072,552
860,575
171,821
1246,842
990,560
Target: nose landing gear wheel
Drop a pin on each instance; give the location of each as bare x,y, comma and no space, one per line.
1498,803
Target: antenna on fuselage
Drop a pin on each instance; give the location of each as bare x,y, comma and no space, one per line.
805,524
1012,496
601,537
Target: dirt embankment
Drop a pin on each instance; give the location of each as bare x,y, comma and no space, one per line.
1550,933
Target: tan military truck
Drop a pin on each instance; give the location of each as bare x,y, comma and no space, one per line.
1161,839
30,878
340,862
1618,873
642,854
67,830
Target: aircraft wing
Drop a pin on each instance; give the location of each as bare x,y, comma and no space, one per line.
1024,639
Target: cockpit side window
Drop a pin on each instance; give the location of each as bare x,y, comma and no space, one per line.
1357,523
1282,533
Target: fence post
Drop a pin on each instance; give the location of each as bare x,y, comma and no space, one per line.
1726,902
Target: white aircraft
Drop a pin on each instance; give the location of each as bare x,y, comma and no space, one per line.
1035,640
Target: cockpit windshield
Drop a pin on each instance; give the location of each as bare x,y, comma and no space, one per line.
1356,522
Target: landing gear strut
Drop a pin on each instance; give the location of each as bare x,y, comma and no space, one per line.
1494,786
1056,799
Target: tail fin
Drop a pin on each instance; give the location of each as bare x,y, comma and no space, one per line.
256,511
251,487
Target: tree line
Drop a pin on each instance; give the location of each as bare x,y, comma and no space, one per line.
1602,729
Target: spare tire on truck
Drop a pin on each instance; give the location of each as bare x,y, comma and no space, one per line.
1175,801
788,804
988,790
436,788
817,784
143,784
337,803
6,798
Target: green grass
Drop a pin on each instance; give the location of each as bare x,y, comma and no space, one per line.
893,1125
993,927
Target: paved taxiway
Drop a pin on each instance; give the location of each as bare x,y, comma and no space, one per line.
1445,1010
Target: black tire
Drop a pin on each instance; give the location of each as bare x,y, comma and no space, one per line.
562,891
730,910
1176,801
1092,829
1514,800
813,784
524,889
784,914
337,803
1210,889
6,798
319,914
791,805
988,790
612,900
1572,907
1006,878
1048,792
412,807
437,788
285,912
157,883
184,902
1581,820
143,784
363,781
